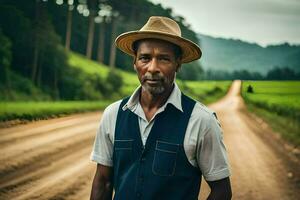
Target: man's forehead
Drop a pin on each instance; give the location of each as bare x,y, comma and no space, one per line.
150,44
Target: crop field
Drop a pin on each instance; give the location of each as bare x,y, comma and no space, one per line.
279,103
282,97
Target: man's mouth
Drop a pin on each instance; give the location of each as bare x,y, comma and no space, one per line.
153,81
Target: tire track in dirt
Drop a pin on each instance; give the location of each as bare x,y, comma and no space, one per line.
15,135
47,160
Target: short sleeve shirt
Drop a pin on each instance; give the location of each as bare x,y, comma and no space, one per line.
203,141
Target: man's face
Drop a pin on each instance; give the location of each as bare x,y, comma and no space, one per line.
156,65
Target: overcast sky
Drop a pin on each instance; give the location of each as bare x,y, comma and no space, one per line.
261,21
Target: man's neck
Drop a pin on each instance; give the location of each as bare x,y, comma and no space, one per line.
151,103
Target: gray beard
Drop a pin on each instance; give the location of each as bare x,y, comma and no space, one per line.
153,90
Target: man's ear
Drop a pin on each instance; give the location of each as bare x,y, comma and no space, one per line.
134,66
178,64
178,67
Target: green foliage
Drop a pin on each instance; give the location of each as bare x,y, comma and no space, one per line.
110,83
205,91
78,85
249,89
44,110
34,43
279,103
133,15
115,80
277,73
5,50
21,88
284,73
18,29
190,71
5,58
32,32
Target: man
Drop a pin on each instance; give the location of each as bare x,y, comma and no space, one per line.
158,143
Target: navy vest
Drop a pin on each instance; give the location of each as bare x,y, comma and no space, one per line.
160,170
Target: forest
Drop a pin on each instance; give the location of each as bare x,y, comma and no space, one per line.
37,37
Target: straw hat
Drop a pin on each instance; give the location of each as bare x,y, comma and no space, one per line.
160,28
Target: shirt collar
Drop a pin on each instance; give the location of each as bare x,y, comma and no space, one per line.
174,99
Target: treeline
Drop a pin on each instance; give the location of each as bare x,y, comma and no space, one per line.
277,73
36,36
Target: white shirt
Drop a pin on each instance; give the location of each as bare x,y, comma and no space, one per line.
203,141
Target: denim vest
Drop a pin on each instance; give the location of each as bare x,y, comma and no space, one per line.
160,169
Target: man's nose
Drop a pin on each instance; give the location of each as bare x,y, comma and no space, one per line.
153,66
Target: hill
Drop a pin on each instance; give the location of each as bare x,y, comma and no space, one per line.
86,86
230,55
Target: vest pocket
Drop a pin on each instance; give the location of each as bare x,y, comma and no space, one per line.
123,144
164,162
123,150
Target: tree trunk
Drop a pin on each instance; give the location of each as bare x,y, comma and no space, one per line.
89,47
7,79
100,56
69,28
35,61
113,49
36,42
39,77
40,68
56,95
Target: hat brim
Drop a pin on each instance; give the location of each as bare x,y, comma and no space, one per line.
190,50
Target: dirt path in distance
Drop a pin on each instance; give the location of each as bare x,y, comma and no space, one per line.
261,166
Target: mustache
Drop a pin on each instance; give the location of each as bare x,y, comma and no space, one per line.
156,77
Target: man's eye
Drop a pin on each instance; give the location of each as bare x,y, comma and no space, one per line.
165,59
143,58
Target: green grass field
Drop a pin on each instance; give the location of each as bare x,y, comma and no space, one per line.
278,102
204,91
44,110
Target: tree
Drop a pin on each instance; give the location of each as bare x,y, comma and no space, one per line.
284,73
114,24
38,7
92,4
104,15
101,39
190,71
69,25
5,59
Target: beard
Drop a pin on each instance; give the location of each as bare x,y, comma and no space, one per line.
156,84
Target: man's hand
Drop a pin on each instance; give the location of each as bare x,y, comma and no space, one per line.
220,190
102,184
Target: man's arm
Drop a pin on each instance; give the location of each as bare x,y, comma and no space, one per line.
102,184
220,189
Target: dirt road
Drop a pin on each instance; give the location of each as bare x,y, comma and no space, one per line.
50,159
